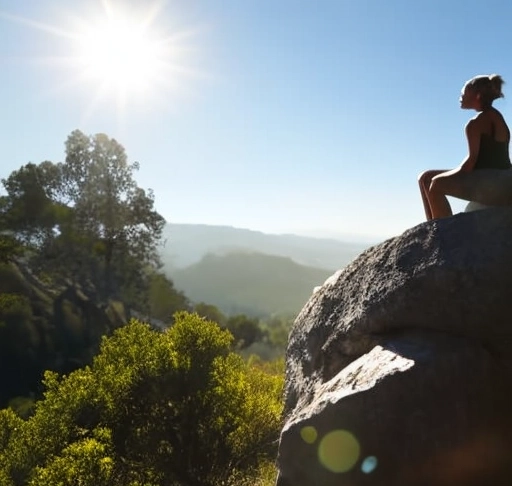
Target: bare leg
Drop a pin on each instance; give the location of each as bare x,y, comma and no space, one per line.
449,183
424,181
439,205
491,187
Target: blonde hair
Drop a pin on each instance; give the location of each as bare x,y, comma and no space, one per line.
488,87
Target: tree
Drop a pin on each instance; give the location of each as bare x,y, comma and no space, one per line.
85,218
9,248
29,210
278,329
245,330
210,312
163,298
110,210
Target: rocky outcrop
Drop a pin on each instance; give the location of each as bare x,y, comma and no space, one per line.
47,326
399,368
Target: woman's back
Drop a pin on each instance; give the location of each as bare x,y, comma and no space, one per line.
492,123
494,141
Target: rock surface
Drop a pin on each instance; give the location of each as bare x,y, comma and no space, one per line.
399,368
49,327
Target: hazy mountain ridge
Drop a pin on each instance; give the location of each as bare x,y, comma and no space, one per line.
186,244
249,283
250,272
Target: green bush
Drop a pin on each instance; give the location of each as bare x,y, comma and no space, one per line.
22,406
172,408
87,462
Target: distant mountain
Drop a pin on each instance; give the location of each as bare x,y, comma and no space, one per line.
249,283
186,244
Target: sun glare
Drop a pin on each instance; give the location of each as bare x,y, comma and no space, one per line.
120,55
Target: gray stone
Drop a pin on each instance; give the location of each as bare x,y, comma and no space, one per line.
399,368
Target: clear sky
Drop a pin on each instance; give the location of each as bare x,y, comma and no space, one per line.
305,116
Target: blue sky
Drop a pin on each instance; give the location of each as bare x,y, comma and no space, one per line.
312,117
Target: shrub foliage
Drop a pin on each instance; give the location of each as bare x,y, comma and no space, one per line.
154,408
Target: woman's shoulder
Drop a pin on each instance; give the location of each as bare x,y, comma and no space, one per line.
484,118
475,123
481,117
490,114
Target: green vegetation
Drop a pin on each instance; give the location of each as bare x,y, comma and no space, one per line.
154,408
250,283
163,299
84,219
78,255
93,396
264,338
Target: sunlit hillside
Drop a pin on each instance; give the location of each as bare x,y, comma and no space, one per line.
249,283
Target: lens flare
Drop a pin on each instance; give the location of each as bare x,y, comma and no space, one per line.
369,464
309,434
339,451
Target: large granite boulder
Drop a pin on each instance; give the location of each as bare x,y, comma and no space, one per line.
399,368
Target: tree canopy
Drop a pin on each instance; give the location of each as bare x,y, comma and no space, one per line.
86,218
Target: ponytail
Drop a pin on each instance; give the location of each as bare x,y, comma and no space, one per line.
496,82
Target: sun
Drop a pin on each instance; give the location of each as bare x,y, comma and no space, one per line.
119,53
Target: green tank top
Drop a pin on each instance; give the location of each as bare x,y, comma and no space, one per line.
492,154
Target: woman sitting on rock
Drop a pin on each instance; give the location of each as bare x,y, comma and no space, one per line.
482,177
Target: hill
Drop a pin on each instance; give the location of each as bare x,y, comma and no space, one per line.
249,283
186,244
